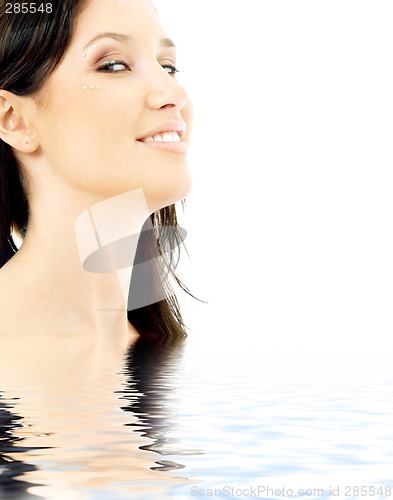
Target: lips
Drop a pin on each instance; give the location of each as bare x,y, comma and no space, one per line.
163,137
166,128
166,137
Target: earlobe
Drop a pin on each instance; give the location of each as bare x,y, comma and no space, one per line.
14,128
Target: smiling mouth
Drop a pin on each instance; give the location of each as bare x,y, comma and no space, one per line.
168,137
165,141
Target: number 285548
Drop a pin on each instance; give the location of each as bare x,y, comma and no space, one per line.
28,8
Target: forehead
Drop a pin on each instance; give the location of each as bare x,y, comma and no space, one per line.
136,18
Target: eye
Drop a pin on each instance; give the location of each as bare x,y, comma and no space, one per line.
114,66
171,69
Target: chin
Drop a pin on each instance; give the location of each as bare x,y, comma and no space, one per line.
177,191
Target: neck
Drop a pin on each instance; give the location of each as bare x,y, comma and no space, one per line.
80,261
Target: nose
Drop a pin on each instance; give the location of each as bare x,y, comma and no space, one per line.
165,91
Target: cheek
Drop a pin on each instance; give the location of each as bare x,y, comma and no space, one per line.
90,126
101,112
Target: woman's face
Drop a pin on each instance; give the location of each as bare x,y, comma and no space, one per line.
109,103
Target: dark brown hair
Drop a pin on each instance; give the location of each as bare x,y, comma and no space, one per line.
31,47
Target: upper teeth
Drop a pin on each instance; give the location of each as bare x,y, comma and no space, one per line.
164,137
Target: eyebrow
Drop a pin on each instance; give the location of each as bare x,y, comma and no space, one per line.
121,37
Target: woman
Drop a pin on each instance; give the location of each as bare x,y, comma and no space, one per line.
92,119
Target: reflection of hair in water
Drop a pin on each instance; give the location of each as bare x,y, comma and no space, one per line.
151,367
10,487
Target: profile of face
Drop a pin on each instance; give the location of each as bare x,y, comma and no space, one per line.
112,117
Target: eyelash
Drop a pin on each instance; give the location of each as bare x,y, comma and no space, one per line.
104,67
107,64
172,67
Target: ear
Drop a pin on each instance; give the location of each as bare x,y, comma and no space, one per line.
14,122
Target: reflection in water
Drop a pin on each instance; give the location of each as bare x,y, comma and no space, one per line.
92,420
87,417
151,395
10,487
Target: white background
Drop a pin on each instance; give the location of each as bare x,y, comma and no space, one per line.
291,214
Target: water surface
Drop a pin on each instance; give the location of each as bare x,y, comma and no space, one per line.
190,420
